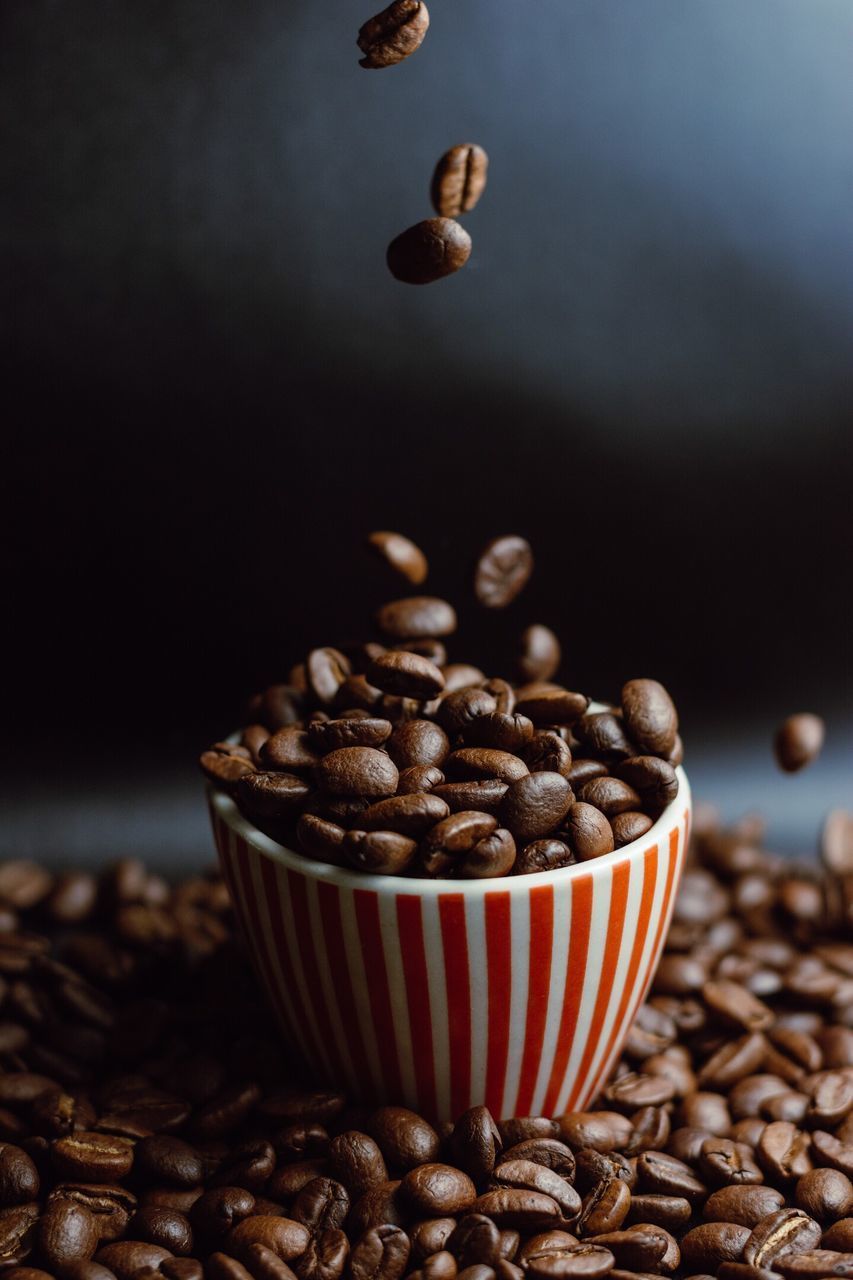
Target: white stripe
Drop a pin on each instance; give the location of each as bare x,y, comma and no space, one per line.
601,894
438,1006
654,919
327,982
293,1026
560,977
519,921
293,951
478,983
390,933
358,977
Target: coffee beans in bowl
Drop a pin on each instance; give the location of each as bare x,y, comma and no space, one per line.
391,758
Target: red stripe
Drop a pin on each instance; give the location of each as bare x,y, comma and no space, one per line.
538,988
499,971
333,932
454,941
413,952
272,893
612,947
298,887
575,974
629,991
376,977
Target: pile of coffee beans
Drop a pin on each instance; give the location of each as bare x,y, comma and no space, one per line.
151,1125
391,759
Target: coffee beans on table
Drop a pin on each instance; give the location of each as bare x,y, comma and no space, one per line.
394,34
151,1126
391,759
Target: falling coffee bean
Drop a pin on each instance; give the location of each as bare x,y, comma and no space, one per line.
503,570
429,251
394,34
459,180
798,741
401,554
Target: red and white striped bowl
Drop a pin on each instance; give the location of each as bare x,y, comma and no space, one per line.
443,994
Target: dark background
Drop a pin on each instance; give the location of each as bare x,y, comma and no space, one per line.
214,389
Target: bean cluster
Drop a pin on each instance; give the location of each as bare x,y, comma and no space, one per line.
390,759
151,1126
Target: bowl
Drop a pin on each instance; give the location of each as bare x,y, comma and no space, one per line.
515,992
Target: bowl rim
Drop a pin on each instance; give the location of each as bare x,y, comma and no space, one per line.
226,809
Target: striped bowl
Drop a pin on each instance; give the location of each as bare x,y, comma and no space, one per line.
443,994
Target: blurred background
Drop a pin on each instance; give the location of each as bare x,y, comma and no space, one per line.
213,388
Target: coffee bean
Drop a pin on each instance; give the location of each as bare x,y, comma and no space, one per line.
783,1232
19,1179
111,1206
746,1205
798,741
602,734
839,1236
380,1205
783,1152
655,780
326,670
671,1212
836,843
127,1258
420,777
438,1190
455,835
530,1175
416,616
534,805
380,1254
418,742
610,795
492,856
411,814
271,795
330,735
393,34
319,838
629,826
506,732
641,1246
519,1209
543,855
356,1161
502,571
286,1238
288,749
605,1207
171,1159
650,716
819,1264
426,252
546,752
358,771
713,1243
407,674
400,552
92,1157
225,767
551,705
539,654
164,1227
588,1260
589,831
484,796
67,1233
826,1194
459,180
405,1138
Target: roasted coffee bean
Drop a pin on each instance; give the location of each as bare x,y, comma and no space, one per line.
286,1238
671,1212
582,770
288,749
525,1128
502,731
550,1152
629,826
408,675
67,1233
111,1206
415,617
392,35
535,805
19,1179
547,706
380,1205
400,552
92,1157
727,1162
418,742
326,670
430,1236
783,1152
127,1258
475,763
426,252
589,831
650,716
459,180
640,1247
712,1243
271,795
458,709
746,1205
217,1211
420,777
502,571
358,771
543,855
171,1159
475,1241
437,1190
485,796
456,835
605,1207
602,733
529,1175
492,856
356,1161
164,1227
405,1138
588,1260
798,741
665,1175
225,765
382,1253
654,779
819,1264
319,838
539,654
351,731
547,752
519,1209
826,1194
412,814
610,795
783,1232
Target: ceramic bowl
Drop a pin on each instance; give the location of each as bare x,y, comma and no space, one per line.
516,992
